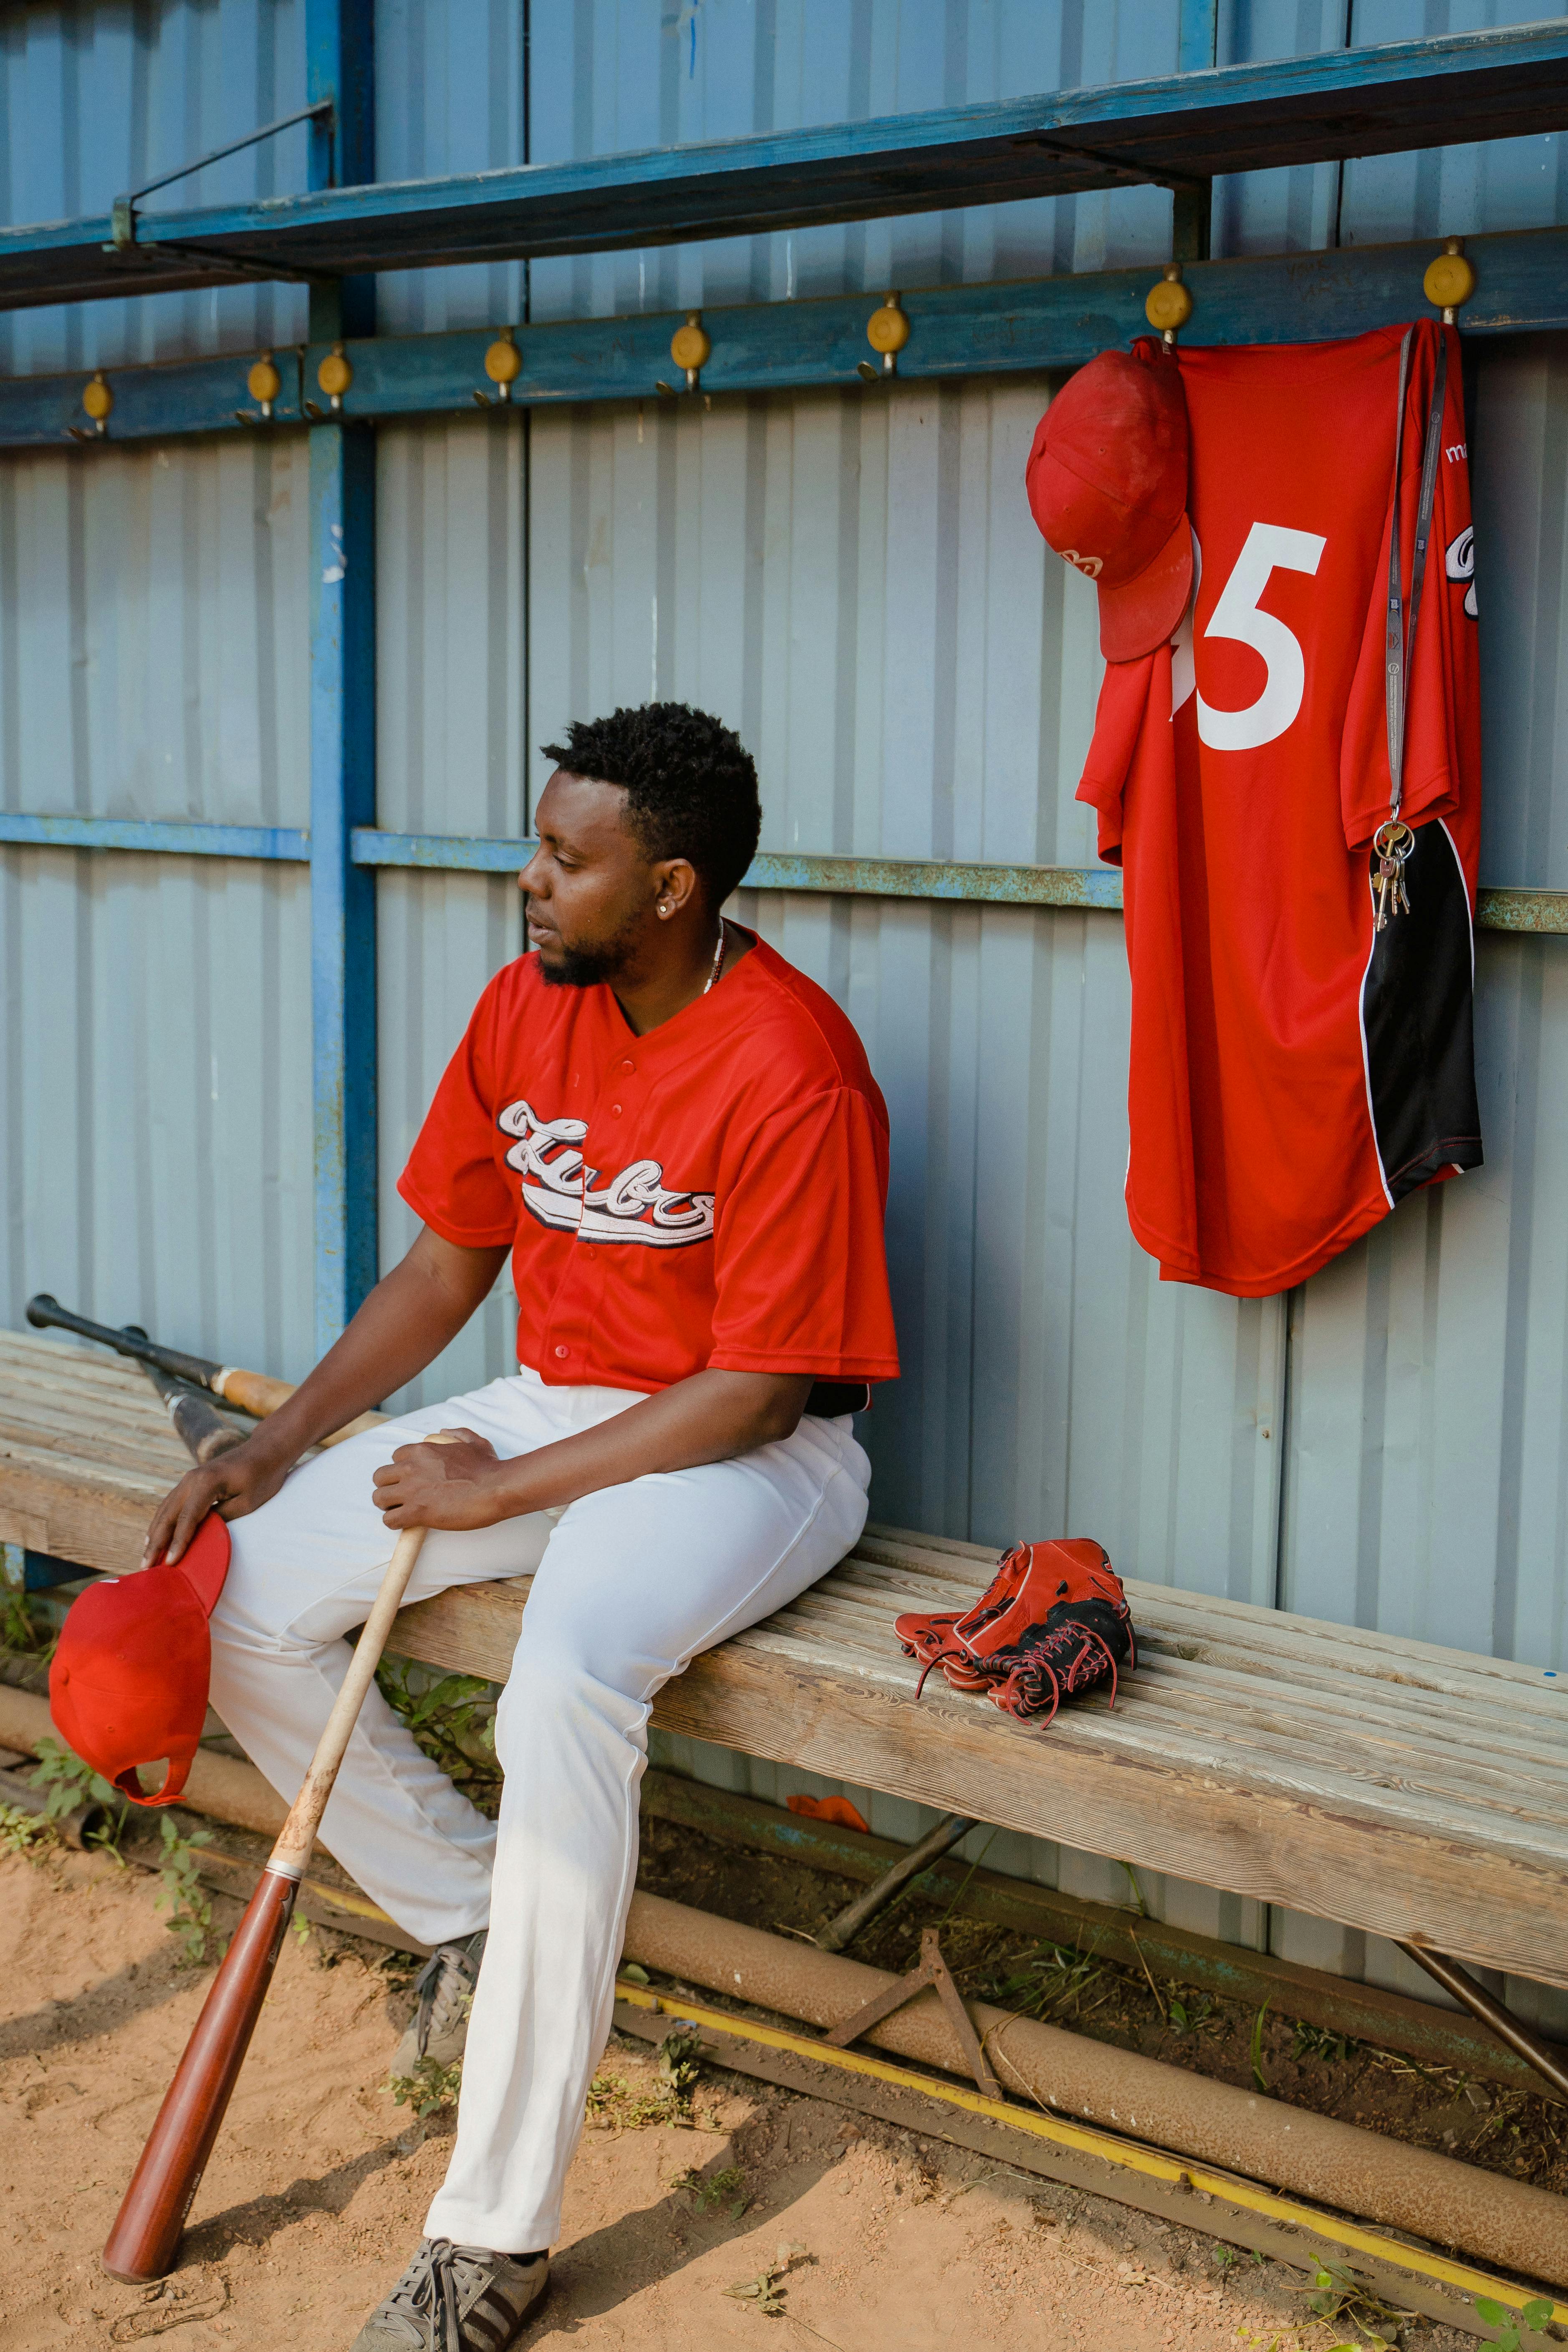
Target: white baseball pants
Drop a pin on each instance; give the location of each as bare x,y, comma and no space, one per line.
629,1584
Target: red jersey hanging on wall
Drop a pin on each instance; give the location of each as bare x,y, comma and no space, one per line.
1297,1068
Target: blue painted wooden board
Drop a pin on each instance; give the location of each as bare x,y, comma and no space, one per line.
1394,97
1049,323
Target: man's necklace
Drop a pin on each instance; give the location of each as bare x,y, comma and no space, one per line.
717,957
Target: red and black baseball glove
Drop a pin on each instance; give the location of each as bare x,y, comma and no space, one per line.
1054,1621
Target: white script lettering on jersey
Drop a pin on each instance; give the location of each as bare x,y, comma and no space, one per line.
560,1190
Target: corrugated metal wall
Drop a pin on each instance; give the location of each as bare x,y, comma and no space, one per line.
98,100
156,1042
852,580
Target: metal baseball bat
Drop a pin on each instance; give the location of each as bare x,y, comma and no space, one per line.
203,1431
141,2245
256,1393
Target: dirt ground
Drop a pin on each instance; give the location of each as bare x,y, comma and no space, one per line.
314,2198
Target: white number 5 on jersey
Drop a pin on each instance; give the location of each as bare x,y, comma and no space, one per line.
1270,547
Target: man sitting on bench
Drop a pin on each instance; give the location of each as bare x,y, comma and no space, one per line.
678,1139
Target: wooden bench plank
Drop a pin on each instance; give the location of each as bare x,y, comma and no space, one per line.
1464,1893
1489,1725
111,1450
52,1503
1322,1778
1391,1785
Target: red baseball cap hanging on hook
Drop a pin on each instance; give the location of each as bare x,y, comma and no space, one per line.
1107,480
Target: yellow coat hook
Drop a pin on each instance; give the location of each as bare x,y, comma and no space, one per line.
691,348
264,383
503,365
97,399
1450,279
888,330
334,375
1169,305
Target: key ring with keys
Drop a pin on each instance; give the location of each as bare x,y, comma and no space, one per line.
1391,846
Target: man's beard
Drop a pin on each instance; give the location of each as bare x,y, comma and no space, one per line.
590,967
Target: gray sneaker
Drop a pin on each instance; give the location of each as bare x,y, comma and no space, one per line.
439,2025
456,2299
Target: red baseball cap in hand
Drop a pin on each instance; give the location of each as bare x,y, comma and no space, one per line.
129,1681
1107,485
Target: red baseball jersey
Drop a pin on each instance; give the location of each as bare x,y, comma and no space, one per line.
1295,1072
710,1194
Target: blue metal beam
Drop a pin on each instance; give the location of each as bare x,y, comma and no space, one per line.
162,837
342,730
1395,97
878,878
1093,887
995,330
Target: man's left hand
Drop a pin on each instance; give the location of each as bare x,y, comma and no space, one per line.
452,1484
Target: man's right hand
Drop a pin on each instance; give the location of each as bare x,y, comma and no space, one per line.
238,1481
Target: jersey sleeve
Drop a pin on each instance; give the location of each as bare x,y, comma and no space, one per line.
1118,725
801,1271
1442,750
452,1179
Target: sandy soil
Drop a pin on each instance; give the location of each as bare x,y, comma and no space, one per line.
314,2198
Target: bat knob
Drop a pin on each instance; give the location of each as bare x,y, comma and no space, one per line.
41,1308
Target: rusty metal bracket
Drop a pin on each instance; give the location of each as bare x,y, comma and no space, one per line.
846,1926
1551,2064
932,1970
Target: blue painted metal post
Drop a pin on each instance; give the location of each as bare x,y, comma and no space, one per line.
1197,47
342,715
1197,35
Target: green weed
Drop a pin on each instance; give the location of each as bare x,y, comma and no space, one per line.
1137,1892
430,2087
1054,1976
180,1895
1317,2041
963,1887
1336,2296
709,2192
68,1784
22,1832
764,2290
1191,2016
1258,2077
17,1632
765,2293
1534,2315
613,2104
453,1718
679,2064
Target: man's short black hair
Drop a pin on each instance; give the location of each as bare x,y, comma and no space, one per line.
691,785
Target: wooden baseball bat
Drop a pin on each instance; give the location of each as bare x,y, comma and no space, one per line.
146,2232
256,1393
